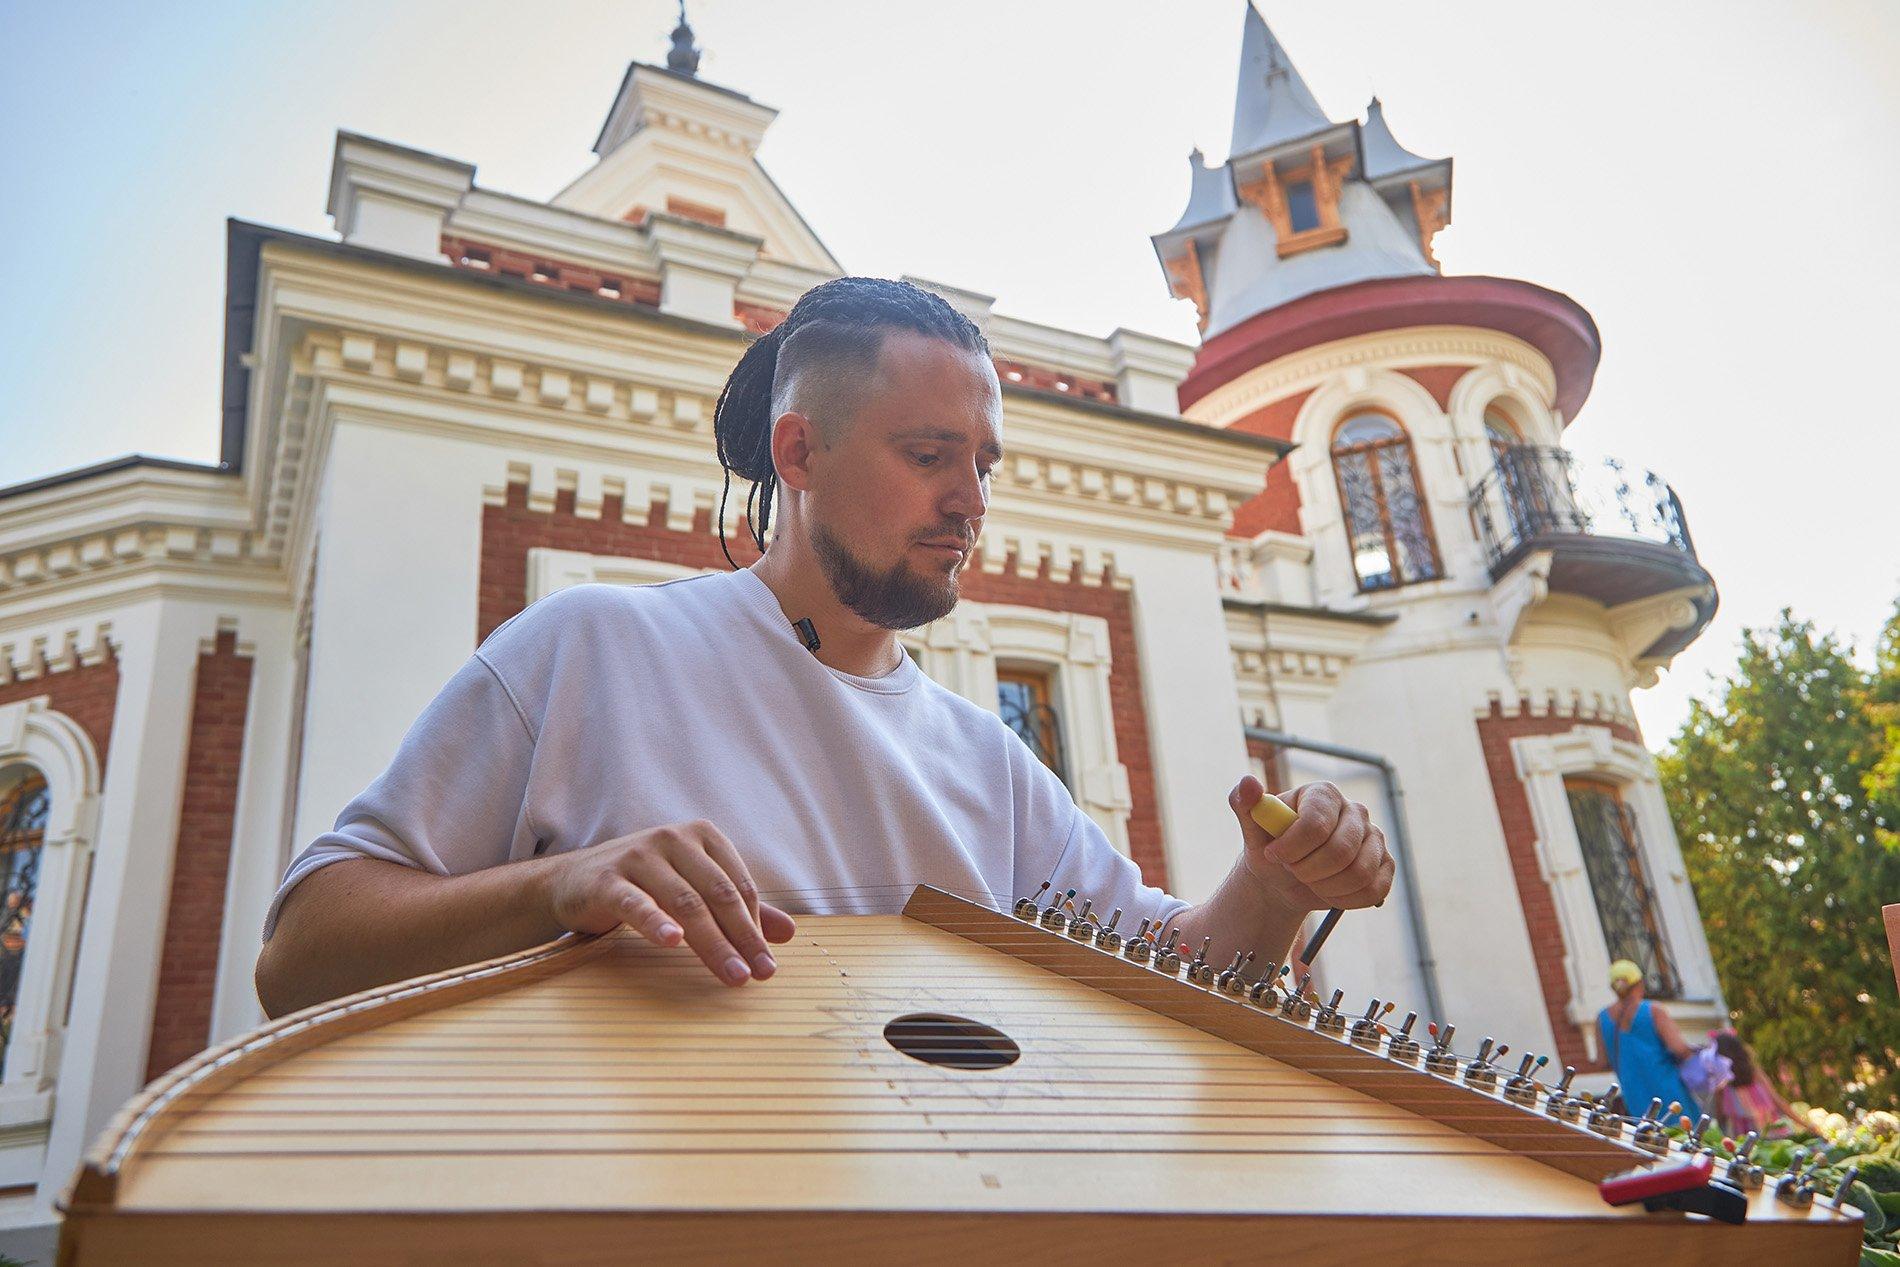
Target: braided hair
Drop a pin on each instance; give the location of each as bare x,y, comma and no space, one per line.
840,325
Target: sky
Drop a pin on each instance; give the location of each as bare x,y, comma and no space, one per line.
1714,181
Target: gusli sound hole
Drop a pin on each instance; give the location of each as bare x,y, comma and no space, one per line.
955,1042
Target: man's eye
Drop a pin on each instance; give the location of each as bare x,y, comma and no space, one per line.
924,459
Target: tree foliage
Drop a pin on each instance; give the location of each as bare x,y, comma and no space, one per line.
1786,829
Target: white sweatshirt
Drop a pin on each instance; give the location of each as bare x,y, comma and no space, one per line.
604,710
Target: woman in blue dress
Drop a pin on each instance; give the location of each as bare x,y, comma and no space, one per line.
1643,1045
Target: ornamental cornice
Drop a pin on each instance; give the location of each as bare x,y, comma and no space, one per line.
31,655
1393,349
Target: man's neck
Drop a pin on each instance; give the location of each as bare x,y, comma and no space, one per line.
846,641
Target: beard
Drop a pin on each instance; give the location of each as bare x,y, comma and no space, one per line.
895,598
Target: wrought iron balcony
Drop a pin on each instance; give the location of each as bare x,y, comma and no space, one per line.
1617,534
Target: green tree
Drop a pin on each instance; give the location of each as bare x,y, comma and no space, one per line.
1786,844
1883,780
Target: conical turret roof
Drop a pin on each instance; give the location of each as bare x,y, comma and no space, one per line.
1272,104
1383,153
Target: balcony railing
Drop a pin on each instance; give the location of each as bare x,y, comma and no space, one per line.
1538,493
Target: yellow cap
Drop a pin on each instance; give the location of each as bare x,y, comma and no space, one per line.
1624,972
1274,815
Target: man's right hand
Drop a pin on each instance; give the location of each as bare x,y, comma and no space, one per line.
682,882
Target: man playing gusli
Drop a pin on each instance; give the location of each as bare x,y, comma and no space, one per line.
677,759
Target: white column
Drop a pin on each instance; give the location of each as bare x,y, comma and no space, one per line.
103,1062
398,575
1191,697
257,825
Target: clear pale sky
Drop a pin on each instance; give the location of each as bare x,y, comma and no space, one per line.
1716,182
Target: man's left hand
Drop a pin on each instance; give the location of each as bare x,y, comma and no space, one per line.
1332,856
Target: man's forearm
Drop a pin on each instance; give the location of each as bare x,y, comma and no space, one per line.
364,922
1240,918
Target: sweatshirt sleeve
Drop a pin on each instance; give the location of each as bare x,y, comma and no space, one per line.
454,798
1056,841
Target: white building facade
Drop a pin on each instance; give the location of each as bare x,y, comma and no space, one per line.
1339,539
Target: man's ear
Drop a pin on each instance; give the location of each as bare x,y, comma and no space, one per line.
794,440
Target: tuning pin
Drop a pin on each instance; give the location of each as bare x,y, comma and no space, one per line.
1748,1144
1139,948
1402,1046
1365,1030
1026,907
1052,917
1081,924
1107,939
1200,956
1329,1020
1480,1072
1113,920
1230,981
1441,1059
1848,1177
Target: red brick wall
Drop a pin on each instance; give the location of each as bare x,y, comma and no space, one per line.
1495,734
511,530
1277,506
88,695
1438,380
188,963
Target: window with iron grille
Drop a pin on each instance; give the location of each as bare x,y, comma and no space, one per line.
1386,520
1024,698
1619,880
23,805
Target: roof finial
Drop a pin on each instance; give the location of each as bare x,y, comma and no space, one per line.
683,57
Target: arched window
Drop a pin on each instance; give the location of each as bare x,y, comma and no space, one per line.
1390,532
1025,698
24,803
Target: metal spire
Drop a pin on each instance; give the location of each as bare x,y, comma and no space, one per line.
1272,104
683,57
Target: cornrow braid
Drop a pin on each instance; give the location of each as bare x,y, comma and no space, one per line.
865,307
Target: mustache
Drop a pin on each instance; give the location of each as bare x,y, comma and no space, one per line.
961,532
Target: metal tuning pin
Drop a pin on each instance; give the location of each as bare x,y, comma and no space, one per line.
1848,1177
1794,1188
1742,1171
1263,992
1651,1133
1522,1087
1365,1030
1560,1104
1052,917
1481,1073
1139,949
1602,1119
1402,1046
1108,939
1167,958
1694,1143
1082,924
1230,981
1441,1059
1027,907
1329,1019
1201,972
1296,1006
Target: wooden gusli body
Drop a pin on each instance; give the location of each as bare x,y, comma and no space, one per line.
603,1101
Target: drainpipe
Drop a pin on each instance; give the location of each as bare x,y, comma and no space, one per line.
1399,838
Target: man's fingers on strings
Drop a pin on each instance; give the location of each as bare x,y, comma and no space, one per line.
643,915
726,854
684,903
724,905
778,926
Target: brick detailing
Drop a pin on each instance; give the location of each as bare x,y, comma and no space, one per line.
757,318
194,919
703,213
1026,375
1438,380
510,530
1276,507
1495,734
88,694
554,274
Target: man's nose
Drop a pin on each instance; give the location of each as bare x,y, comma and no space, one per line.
968,498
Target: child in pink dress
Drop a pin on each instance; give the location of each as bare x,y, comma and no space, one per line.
1749,1102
